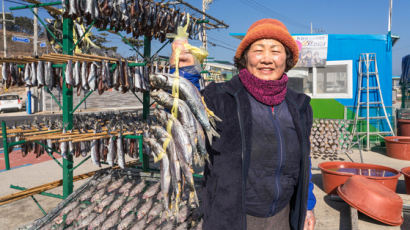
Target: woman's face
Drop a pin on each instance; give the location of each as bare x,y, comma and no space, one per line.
266,59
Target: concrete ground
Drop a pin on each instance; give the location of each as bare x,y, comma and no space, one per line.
330,214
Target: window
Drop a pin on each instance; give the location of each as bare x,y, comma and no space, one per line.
333,81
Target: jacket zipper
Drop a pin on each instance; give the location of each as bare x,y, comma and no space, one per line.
243,161
277,175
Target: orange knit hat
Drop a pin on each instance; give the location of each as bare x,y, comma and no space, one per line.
269,29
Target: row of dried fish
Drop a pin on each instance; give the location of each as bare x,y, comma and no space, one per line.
123,203
330,139
97,76
139,17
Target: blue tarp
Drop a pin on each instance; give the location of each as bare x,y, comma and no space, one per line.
405,70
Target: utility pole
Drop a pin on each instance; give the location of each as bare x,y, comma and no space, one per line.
311,28
4,32
35,38
204,38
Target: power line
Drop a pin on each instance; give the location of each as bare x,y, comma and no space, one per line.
221,41
214,44
262,8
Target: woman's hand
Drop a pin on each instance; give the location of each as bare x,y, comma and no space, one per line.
310,220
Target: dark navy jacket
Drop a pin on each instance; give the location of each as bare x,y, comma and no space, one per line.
223,197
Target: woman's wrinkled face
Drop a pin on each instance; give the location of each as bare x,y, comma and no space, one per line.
266,59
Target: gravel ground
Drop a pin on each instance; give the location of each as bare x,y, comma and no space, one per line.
330,214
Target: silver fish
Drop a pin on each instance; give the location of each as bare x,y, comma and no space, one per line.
69,73
27,74
86,222
84,80
87,194
165,180
92,77
126,222
63,147
87,211
73,215
140,224
120,151
168,226
138,188
115,185
65,211
4,72
105,202
143,210
154,212
111,151
72,9
111,221
117,204
49,76
95,156
116,78
151,191
76,74
190,94
98,195
137,79
186,118
181,139
129,206
33,74
40,74
125,188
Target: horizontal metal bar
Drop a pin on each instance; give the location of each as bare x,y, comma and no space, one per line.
374,133
35,5
370,88
58,65
41,193
372,118
370,103
133,136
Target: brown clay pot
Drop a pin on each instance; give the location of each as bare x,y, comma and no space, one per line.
406,174
404,127
372,199
335,173
398,147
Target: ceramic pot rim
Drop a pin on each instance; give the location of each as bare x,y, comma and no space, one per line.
397,173
405,171
389,139
389,222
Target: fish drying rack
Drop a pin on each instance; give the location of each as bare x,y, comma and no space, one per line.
129,174
67,105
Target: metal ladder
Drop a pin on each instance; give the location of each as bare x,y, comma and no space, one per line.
368,69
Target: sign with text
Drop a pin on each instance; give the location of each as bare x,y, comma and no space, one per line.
314,50
43,44
20,39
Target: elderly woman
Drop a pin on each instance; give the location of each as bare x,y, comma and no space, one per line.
259,171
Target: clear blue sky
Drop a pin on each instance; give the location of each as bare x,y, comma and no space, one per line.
327,16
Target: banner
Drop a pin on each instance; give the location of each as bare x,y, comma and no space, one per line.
313,51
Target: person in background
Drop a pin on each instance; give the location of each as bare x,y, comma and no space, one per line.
259,174
189,67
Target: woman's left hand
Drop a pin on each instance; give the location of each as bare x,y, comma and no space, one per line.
310,220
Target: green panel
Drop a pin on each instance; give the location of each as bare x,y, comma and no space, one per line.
327,108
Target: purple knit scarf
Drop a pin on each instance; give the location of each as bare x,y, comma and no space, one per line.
269,92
